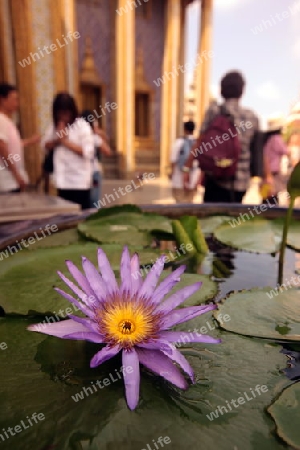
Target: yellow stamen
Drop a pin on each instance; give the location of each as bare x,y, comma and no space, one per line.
128,324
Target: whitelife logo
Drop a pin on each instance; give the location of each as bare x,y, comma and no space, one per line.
130,5
86,391
30,241
240,401
24,424
53,47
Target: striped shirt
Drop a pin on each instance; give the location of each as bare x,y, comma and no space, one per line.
247,125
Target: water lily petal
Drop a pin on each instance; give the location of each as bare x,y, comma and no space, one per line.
136,277
178,297
158,363
94,278
75,302
75,289
132,379
107,272
90,324
80,278
167,284
125,272
85,336
152,278
103,355
59,329
181,337
184,314
172,353
155,344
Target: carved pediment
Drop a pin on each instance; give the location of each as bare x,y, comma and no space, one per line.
88,72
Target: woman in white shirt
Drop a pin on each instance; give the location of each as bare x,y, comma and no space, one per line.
72,140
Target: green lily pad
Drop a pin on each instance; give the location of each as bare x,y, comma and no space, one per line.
106,212
59,239
265,313
286,413
142,221
48,375
27,279
209,224
114,234
125,228
293,236
256,235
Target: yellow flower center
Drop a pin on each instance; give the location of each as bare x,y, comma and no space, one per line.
126,327
128,323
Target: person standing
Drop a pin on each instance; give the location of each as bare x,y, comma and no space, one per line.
179,155
294,148
274,150
101,146
13,175
72,140
247,131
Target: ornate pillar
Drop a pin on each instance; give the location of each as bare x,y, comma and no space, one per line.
71,51
59,59
170,88
204,52
181,84
26,81
7,56
125,67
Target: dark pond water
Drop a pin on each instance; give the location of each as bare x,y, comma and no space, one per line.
241,270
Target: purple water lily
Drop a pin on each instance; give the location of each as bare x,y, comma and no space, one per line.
133,318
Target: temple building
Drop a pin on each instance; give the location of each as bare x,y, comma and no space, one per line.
120,58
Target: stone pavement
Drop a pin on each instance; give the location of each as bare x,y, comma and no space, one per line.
158,191
28,206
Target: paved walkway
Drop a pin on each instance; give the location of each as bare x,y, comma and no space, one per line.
158,191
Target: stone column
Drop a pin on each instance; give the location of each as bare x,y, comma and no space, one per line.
59,57
71,50
181,75
170,87
125,70
22,25
204,52
7,56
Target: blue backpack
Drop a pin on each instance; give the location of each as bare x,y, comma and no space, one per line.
185,151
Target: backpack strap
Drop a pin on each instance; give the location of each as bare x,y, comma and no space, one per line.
224,111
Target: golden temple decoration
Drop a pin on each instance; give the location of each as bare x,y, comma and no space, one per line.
141,83
88,72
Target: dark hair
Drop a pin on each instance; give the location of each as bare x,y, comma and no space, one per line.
232,85
268,134
63,101
6,89
86,116
189,126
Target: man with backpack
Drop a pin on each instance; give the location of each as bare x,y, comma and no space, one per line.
229,149
179,155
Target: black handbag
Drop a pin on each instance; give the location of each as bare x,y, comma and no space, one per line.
48,165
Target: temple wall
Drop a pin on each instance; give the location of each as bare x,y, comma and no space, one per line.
96,20
150,35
